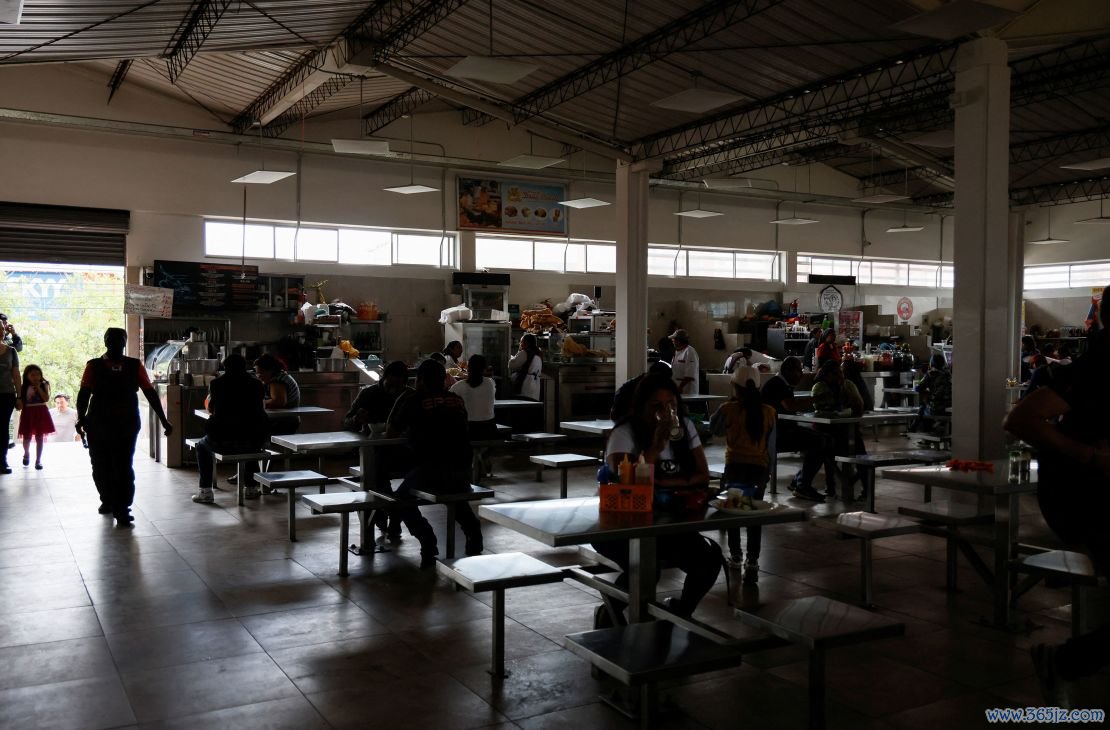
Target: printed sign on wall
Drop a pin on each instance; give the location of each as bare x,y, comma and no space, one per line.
511,206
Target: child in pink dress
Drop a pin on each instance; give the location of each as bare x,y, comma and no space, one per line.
34,418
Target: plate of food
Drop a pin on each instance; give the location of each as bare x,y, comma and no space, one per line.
525,212
510,211
739,505
541,212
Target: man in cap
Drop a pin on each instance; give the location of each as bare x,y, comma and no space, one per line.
685,365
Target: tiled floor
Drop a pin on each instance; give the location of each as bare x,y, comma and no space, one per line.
207,617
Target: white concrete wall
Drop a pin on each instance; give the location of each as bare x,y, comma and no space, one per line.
170,184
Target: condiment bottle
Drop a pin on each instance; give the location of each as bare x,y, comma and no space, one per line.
604,474
626,470
644,472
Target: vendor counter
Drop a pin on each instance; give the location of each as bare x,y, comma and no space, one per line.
333,390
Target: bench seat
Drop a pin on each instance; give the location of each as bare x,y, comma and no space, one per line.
950,517
1075,569
866,465
480,573
291,481
343,504
867,527
819,624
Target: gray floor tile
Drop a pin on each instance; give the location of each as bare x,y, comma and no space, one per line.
48,626
183,644
279,597
317,625
143,613
352,663
56,661
188,689
294,713
77,705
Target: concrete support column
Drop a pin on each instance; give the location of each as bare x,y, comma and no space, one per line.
632,277
988,252
467,261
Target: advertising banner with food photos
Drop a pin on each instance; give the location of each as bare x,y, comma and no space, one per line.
512,206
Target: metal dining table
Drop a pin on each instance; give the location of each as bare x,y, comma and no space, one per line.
204,415
517,403
339,441
997,487
563,522
598,427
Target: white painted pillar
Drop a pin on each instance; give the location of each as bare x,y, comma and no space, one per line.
632,277
988,252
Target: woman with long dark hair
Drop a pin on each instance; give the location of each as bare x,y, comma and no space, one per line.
525,367
746,423
678,464
478,393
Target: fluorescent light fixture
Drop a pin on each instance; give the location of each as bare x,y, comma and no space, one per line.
905,229
698,213
728,183
955,19
1100,218
1046,241
879,198
10,11
794,221
531,162
360,146
938,138
493,70
1100,164
263,177
583,203
411,189
696,101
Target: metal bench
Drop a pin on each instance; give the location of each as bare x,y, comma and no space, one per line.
930,440
946,519
451,501
290,481
1075,569
343,504
867,527
495,573
819,624
563,462
239,460
542,439
640,655
866,464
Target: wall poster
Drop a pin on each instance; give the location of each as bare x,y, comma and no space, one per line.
511,206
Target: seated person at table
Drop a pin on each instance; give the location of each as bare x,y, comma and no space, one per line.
478,393
237,425
435,422
831,394
678,464
828,350
372,405
778,392
935,392
853,373
746,423
1028,352
281,392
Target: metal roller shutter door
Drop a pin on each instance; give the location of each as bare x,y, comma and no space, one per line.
63,235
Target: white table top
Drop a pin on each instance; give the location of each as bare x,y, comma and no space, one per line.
879,415
703,398
561,522
598,427
977,482
516,403
274,412
331,440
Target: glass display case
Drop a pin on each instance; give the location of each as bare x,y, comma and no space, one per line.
492,339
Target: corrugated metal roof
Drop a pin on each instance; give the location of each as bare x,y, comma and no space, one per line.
785,48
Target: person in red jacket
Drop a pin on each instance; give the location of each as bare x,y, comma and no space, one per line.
827,351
